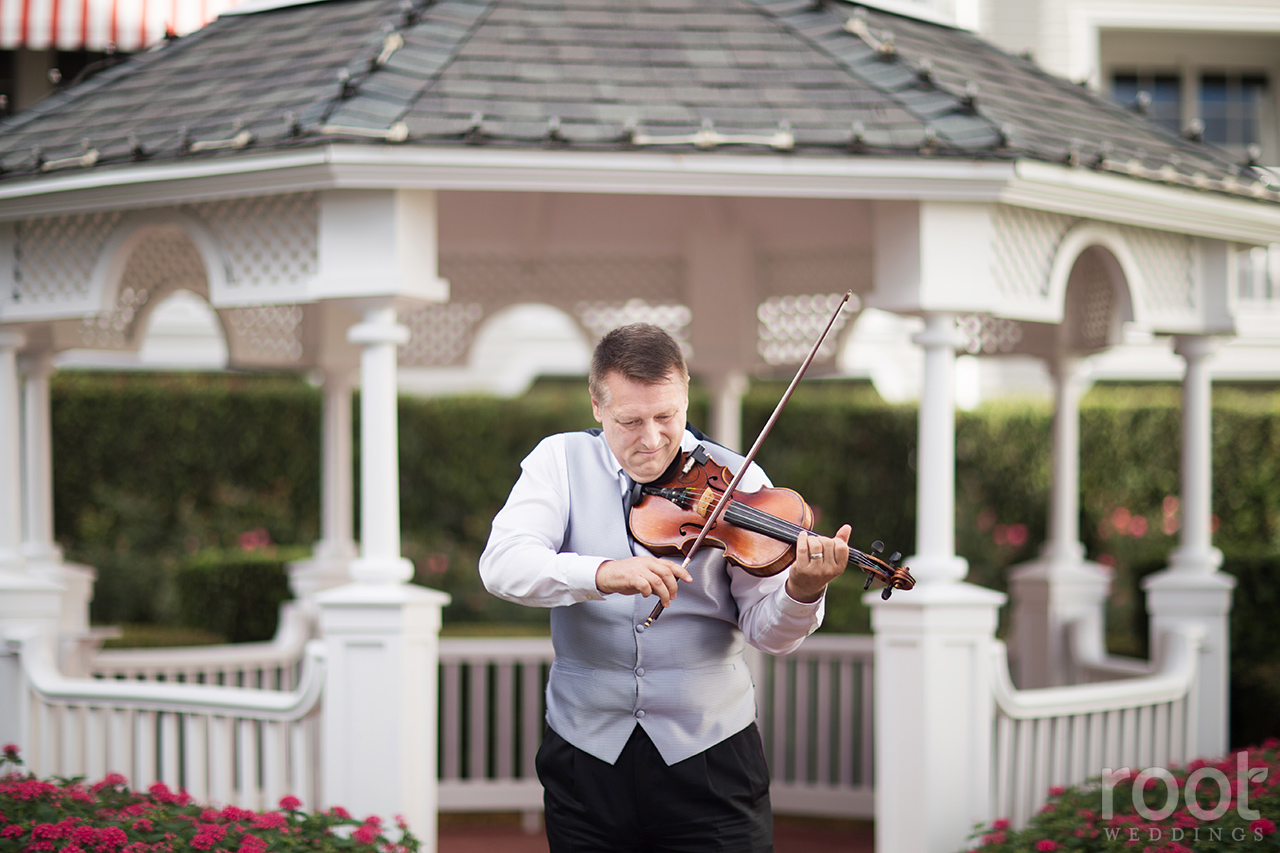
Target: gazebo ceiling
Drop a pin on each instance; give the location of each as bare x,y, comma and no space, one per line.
754,77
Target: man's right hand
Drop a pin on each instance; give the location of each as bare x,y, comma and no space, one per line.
642,576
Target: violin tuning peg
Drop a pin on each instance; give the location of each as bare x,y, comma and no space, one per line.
877,547
895,558
866,586
886,592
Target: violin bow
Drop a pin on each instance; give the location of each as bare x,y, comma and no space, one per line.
751,454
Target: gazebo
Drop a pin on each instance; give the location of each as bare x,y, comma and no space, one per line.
355,185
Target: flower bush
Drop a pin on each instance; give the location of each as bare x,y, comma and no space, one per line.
1227,804
68,816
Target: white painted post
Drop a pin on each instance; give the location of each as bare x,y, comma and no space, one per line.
381,634
27,602
1060,587
379,723
1192,592
933,700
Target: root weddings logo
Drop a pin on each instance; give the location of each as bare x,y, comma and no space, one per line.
1207,793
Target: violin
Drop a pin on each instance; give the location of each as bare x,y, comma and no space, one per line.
758,531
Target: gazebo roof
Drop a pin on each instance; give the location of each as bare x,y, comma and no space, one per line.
799,77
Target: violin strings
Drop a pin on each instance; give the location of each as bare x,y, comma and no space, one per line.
764,523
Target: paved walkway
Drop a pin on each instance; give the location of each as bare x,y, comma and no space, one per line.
503,834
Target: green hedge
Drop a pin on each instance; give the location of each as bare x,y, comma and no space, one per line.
150,470
235,594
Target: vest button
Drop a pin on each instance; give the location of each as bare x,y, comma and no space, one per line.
639,714
640,671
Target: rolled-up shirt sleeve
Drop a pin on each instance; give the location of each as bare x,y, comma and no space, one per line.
522,561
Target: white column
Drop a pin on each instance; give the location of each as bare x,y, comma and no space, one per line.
38,544
380,561
1192,592
381,634
1059,588
933,702
11,559
935,559
39,548
1195,552
727,390
332,556
27,602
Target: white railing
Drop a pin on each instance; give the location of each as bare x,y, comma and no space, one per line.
226,745
1058,736
274,665
1090,660
816,718
815,710
492,709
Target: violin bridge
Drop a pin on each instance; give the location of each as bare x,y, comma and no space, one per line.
706,503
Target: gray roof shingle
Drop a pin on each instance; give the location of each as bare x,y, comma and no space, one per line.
844,80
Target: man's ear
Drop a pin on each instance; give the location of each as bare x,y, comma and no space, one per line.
595,410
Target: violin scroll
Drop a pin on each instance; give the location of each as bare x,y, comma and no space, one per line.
891,572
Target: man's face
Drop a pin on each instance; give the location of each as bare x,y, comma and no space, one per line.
643,424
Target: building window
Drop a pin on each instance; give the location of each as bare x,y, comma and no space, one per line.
1230,106
1164,90
1253,267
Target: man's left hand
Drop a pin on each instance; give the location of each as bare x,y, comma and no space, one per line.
819,561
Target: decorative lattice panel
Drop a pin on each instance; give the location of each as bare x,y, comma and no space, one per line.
563,281
987,335
789,325
814,272
1166,262
270,242
600,317
1023,249
164,261
265,334
1091,303
440,335
54,257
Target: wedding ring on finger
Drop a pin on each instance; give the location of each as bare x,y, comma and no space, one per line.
815,555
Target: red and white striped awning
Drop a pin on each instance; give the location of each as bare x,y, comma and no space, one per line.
125,25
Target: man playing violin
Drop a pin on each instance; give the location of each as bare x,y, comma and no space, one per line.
651,741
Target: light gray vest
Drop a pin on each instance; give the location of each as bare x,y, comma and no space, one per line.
684,678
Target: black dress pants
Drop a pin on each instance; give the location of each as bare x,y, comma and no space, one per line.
717,800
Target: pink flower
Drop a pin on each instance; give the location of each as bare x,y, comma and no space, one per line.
111,836
290,803
233,813
269,820
1000,823
1044,845
10,750
340,812
252,844
1263,826
366,834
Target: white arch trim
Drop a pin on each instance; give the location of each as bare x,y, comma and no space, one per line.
1084,236
104,285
